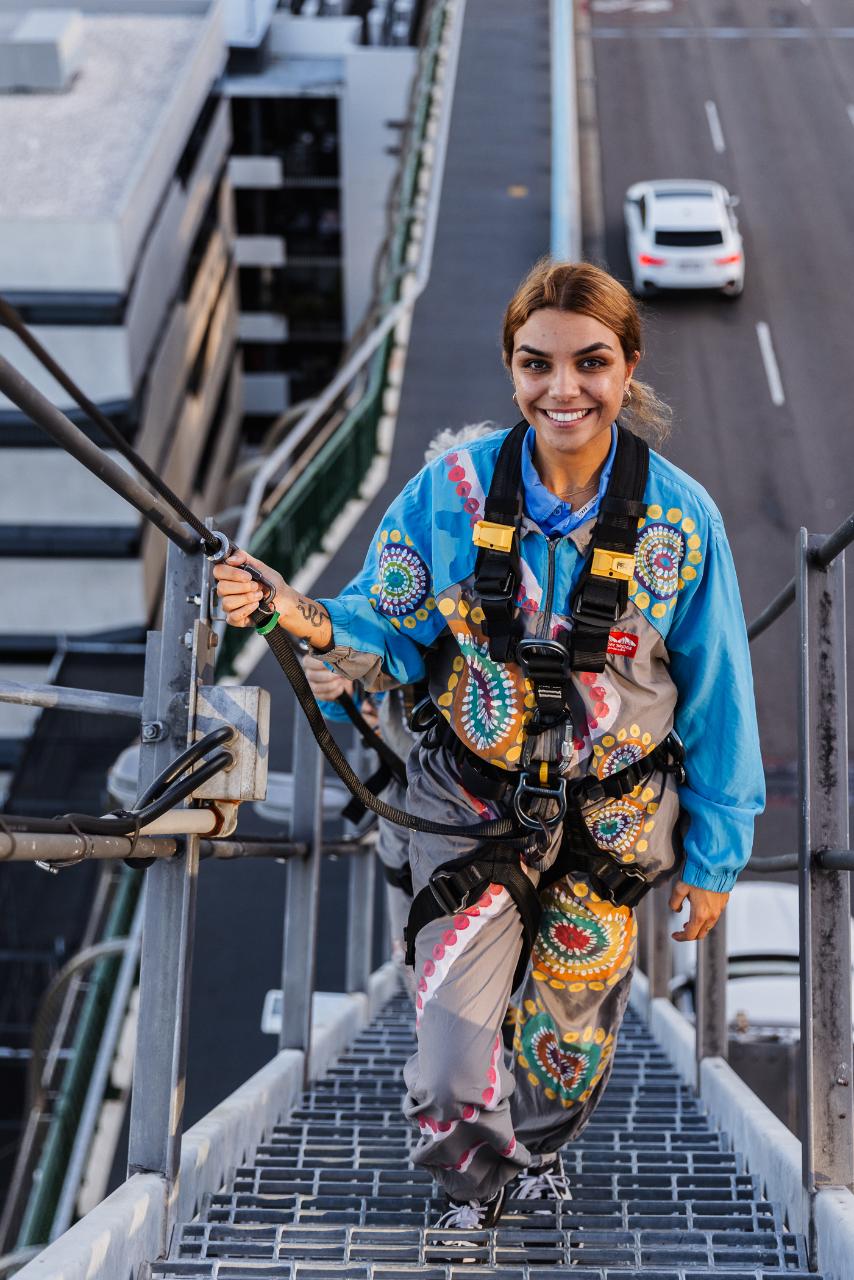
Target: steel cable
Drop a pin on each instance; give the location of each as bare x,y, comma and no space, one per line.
283,651
13,321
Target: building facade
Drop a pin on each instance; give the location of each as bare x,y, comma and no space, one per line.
117,248
317,113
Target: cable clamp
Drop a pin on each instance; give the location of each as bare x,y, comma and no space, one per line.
224,550
86,852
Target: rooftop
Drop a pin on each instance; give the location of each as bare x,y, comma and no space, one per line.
74,154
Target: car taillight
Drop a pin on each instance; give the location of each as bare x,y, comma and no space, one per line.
647,260
725,262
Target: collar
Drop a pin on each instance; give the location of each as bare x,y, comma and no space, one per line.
552,514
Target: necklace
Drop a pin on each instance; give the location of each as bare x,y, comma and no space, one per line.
572,493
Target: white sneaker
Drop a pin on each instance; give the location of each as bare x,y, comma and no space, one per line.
543,1181
466,1215
472,1215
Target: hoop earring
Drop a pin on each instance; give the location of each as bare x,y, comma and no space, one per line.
627,395
515,401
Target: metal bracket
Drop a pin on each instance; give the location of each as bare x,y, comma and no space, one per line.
247,709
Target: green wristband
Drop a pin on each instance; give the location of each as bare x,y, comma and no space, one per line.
267,627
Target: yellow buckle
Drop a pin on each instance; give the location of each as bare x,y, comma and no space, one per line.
612,564
495,537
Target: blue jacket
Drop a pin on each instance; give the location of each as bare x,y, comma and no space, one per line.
678,657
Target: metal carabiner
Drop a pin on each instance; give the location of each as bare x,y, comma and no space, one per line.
537,790
265,609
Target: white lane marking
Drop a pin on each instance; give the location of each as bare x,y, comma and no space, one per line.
772,369
851,112
715,128
632,6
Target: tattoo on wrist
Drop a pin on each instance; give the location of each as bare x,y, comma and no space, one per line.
314,614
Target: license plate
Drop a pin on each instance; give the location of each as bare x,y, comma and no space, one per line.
690,266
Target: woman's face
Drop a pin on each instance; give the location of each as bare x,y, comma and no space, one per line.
570,376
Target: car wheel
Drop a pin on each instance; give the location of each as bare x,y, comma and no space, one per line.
642,290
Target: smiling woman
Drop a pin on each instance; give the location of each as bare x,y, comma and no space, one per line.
569,598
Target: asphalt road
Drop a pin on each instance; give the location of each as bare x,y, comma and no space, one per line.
781,76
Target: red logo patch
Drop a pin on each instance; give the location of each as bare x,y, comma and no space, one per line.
623,643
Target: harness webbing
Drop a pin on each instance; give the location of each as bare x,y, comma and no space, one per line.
602,591
603,594
497,571
474,876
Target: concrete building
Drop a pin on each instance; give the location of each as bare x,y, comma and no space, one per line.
317,113
116,246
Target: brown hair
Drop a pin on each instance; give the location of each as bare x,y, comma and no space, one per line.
581,287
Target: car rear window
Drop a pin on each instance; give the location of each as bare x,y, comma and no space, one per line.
688,239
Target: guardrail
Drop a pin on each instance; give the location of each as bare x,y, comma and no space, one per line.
166,925
823,861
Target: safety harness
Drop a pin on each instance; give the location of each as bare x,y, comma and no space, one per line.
547,663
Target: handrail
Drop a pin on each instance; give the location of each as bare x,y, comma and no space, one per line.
823,558
823,863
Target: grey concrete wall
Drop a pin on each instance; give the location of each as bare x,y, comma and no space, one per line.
368,168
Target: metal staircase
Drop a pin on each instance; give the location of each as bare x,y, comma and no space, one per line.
657,1193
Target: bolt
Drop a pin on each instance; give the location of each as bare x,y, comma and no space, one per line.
152,731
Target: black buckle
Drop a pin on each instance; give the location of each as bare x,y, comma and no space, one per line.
455,890
543,659
676,751
423,715
539,789
597,618
585,791
503,589
622,885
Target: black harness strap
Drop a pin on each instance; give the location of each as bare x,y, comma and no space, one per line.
456,885
603,589
399,877
496,573
459,884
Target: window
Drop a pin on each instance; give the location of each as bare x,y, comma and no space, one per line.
302,131
309,295
196,140
207,228
688,239
307,218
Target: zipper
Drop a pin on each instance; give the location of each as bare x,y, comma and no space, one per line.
551,543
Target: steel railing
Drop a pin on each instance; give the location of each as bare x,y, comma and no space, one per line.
823,861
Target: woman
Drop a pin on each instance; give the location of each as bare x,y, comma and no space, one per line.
571,600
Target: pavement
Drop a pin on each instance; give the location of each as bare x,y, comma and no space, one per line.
781,75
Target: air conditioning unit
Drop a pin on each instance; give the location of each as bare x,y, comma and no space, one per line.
42,52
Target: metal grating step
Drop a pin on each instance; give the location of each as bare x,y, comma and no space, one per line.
331,1193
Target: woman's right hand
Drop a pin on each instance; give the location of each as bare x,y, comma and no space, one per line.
326,684
240,596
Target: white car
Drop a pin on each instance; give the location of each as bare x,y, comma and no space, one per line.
683,234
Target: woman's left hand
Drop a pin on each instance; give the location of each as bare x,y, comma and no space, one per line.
706,908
